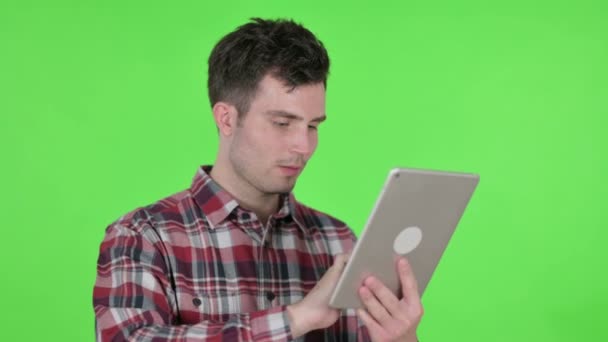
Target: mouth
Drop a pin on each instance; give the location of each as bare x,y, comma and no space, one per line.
290,170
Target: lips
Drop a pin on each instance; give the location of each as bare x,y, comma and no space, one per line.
290,170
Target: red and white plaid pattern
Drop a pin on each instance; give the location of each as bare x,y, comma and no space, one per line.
197,266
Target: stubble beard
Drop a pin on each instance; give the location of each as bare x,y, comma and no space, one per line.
248,173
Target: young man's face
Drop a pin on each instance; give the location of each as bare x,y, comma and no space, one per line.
275,139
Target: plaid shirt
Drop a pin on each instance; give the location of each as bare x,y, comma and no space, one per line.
197,266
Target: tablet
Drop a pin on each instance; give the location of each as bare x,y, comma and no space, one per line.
415,215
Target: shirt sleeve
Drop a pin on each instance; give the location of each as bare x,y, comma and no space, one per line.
133,299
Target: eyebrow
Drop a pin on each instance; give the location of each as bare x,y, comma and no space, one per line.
293,116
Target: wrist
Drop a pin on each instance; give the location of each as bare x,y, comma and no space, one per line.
296,321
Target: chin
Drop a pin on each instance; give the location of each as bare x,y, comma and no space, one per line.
285,190
282,189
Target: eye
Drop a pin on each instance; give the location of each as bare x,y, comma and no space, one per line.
280,123
313,127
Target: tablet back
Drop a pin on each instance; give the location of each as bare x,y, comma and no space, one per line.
414,216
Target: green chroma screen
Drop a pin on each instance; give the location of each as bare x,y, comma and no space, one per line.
103,109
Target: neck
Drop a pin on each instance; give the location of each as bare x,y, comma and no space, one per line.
248,197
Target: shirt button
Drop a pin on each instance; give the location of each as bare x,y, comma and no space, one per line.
270,296
196,302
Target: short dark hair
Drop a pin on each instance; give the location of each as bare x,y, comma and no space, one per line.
283,48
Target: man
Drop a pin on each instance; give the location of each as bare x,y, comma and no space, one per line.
235,257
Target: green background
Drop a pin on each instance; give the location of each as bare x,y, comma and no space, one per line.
104,108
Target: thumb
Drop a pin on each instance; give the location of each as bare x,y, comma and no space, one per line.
336,269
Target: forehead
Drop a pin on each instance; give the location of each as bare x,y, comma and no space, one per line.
272,95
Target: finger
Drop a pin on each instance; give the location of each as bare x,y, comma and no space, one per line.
373,306
409,286
340,261
385,296
372,326
333,273
341,258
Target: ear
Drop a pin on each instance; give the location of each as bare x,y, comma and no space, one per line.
225,116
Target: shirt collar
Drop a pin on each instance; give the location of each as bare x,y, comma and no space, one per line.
217,204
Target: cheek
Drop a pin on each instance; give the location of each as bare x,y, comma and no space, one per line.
245,146
261,141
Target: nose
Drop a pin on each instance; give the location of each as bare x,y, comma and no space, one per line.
303,142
